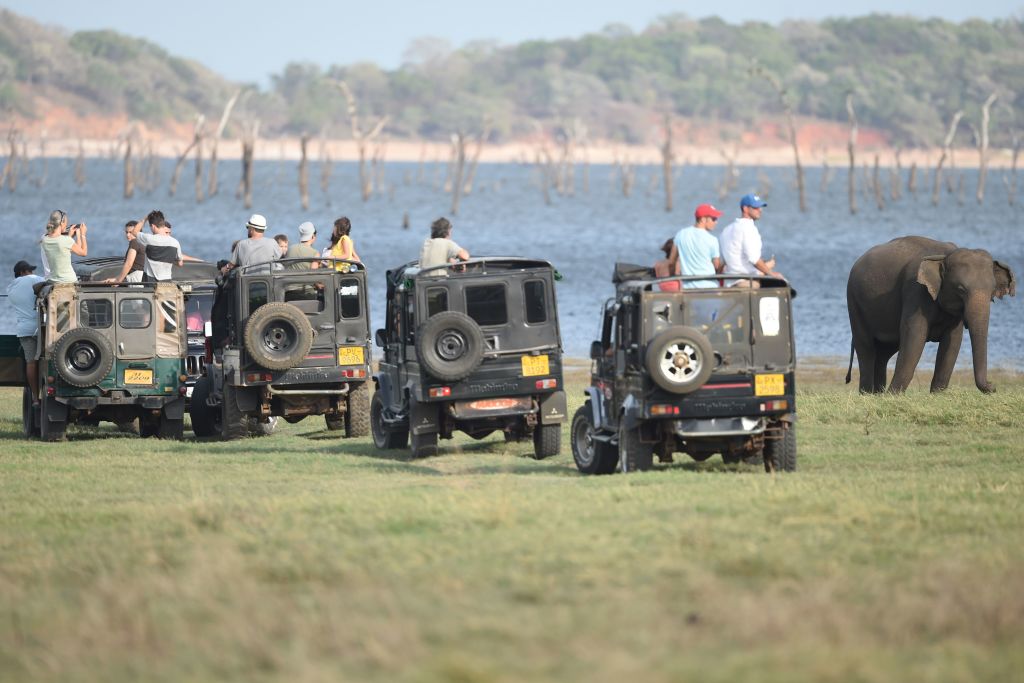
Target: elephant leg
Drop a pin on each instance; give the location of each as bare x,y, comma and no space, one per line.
883,352
913,335
866,365
949,349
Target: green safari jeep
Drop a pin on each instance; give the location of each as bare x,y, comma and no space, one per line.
106,353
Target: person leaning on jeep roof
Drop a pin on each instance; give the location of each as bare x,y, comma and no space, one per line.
162,250
256,249
439,249
22,295
304,249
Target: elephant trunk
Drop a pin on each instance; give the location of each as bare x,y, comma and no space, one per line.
976,313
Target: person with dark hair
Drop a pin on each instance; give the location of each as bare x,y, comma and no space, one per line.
439,249
162,250
695,251
664,268
60,242
134,258
21,293
342,246
282,243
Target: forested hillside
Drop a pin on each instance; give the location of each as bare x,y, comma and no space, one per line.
908,76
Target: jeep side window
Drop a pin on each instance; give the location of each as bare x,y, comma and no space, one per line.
258,294
134,314
408,318
98,313
437,301
606,329
63,315
348,298
535,301
486,304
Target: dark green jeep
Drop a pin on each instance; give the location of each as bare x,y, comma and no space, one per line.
106,354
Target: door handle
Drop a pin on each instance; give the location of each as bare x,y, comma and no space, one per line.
120,348
325,326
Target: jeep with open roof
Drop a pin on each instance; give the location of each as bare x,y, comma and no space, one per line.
698,371
106,353
286,340
473,347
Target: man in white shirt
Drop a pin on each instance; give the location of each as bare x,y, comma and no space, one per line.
439,249
741,241
22,295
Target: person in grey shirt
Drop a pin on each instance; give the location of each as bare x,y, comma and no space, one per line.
21,293
439,249
255,250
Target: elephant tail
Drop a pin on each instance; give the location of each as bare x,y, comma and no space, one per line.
849,370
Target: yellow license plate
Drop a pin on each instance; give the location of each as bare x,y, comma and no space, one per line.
535,365
769,385
138,376
350,355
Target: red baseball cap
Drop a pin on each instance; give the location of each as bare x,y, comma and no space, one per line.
707,211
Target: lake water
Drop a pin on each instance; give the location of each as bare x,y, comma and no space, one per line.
583,235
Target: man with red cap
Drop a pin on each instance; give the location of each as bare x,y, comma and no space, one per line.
695,250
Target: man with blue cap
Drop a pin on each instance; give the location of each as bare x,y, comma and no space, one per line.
741,241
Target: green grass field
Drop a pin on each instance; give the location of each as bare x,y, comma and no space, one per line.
895,553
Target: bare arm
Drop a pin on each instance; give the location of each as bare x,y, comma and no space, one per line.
81,246
128,261
462,255
719,264
674,266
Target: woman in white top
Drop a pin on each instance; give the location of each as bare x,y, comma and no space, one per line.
58,244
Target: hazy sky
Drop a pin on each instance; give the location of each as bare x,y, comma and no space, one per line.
248,41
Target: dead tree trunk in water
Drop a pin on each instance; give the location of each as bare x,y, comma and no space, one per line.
787,109
326,167
895,174
459,163
876,182
249,136
10,172
211,188
129,172
946,144
851,150
79,165
485,133
912,180
667,154
1011,180
304,170
197,135
361,138
986,110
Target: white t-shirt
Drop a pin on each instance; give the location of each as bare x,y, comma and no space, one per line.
438,251
741,247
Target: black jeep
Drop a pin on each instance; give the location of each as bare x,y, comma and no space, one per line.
106,353
473,347
698,371
288,341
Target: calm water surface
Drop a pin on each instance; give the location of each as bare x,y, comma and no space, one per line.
582,235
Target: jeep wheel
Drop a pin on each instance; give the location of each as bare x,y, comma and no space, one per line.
357,417
50,430
385,437
423,445
450,345
83,357
547,441
278,336
680,359
205,418
29,415
634,455
257,428
234,424
334,422
780,454
591,456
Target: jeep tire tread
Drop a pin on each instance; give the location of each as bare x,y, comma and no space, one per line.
234,424
29,415
450,346
278,336
357,417
83,357
780,454
680,359
205,418
547,441
591,456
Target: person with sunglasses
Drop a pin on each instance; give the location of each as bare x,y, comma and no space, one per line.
741,242
59,243
695,250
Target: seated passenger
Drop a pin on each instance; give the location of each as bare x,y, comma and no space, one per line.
439,249
695,251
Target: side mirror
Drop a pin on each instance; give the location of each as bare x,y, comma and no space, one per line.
381,338
596,350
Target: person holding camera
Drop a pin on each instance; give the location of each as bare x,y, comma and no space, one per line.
59,243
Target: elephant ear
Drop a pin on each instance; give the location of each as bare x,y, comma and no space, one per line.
929,274
1005,282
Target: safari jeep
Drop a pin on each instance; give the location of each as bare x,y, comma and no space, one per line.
109,354
699,371
473,347
288,343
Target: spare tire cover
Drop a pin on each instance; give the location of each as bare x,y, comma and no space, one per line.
450,345
278,336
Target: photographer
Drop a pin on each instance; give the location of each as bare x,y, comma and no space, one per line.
59,243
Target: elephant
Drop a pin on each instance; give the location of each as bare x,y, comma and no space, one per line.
914,289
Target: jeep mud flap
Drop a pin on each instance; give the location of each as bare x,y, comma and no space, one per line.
423,417
552,408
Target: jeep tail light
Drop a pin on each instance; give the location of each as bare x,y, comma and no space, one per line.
495,403
774,405
354,374
51,391
663,409
258,377
182,390
440,392
208,349
547,384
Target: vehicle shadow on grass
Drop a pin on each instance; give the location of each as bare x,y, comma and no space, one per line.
504,462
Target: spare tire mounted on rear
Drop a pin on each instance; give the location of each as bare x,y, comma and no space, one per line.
450,345
278,336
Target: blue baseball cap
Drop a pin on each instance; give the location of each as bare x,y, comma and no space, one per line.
752,200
